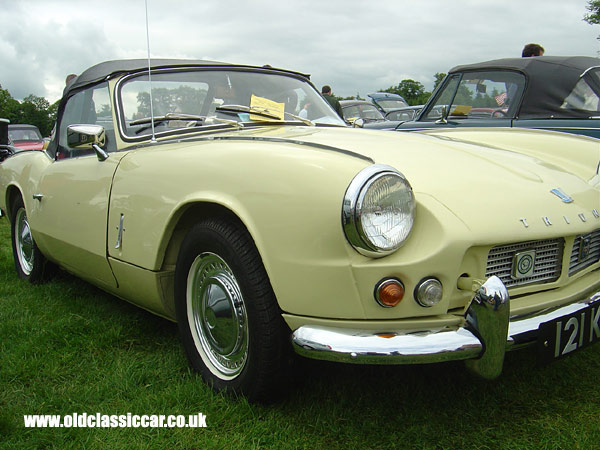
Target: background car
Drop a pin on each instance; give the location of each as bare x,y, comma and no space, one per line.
25,137
404,114
261,231
547,92
6,148
386,101
360,109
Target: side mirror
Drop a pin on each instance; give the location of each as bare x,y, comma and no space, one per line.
91,137
358,123
443,120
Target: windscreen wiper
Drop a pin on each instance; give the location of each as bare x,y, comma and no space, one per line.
200,120
259,111
168,116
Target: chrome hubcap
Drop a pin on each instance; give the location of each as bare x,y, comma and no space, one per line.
24,242
217,316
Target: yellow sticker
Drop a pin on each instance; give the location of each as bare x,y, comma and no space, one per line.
461,110
269,110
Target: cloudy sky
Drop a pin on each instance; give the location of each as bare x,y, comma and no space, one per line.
355,46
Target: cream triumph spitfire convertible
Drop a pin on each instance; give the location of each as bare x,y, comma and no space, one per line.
235,202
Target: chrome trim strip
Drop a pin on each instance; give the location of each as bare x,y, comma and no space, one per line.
359,346
488,332
120,233
587,70
522,330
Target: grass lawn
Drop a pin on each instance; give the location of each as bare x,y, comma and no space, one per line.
68,347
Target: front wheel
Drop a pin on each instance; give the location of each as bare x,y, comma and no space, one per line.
229,321
30,264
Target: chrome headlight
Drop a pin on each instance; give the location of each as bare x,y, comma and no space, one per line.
378,211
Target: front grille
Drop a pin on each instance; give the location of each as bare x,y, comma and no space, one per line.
546,268
586,251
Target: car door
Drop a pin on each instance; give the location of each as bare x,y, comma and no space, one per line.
578,112
587,127
74,193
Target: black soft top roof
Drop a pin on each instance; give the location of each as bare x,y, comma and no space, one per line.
109,69
534,64
550,79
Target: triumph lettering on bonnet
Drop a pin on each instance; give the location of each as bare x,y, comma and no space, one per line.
566,198
548,220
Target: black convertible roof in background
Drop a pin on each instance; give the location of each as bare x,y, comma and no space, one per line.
532,64
550,79
110,69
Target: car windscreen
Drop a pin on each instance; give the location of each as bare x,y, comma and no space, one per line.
24,134
364,111
393,103
478,95
195,98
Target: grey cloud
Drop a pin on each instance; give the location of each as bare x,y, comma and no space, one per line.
355,46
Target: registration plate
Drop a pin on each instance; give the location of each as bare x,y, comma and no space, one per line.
562,336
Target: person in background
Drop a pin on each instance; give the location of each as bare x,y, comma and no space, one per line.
532,50
68,81
335,104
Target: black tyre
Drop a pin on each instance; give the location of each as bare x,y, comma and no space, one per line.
229,321
30,264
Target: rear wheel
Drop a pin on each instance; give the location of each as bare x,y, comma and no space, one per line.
229,321
30,264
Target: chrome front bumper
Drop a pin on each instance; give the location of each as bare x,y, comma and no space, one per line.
488,332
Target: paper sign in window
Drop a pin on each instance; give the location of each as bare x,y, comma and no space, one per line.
461,110
271,111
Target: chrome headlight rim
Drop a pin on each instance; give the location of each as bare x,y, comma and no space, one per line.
351,214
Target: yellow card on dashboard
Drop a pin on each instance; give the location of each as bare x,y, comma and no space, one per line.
269,110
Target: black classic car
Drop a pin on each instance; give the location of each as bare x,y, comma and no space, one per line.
548,92
387,101
360,109
6,147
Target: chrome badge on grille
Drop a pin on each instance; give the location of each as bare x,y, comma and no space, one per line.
585,247
523,264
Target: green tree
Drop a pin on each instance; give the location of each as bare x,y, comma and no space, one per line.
9,107
53,110
184,99
32,110
412,91
593,18
439,77
35,111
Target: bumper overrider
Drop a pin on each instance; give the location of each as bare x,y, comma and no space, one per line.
487,333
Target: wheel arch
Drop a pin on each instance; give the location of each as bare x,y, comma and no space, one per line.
12,193
183,220
178,227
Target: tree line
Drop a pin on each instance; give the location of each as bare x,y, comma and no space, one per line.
412,91
38,111
32,110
